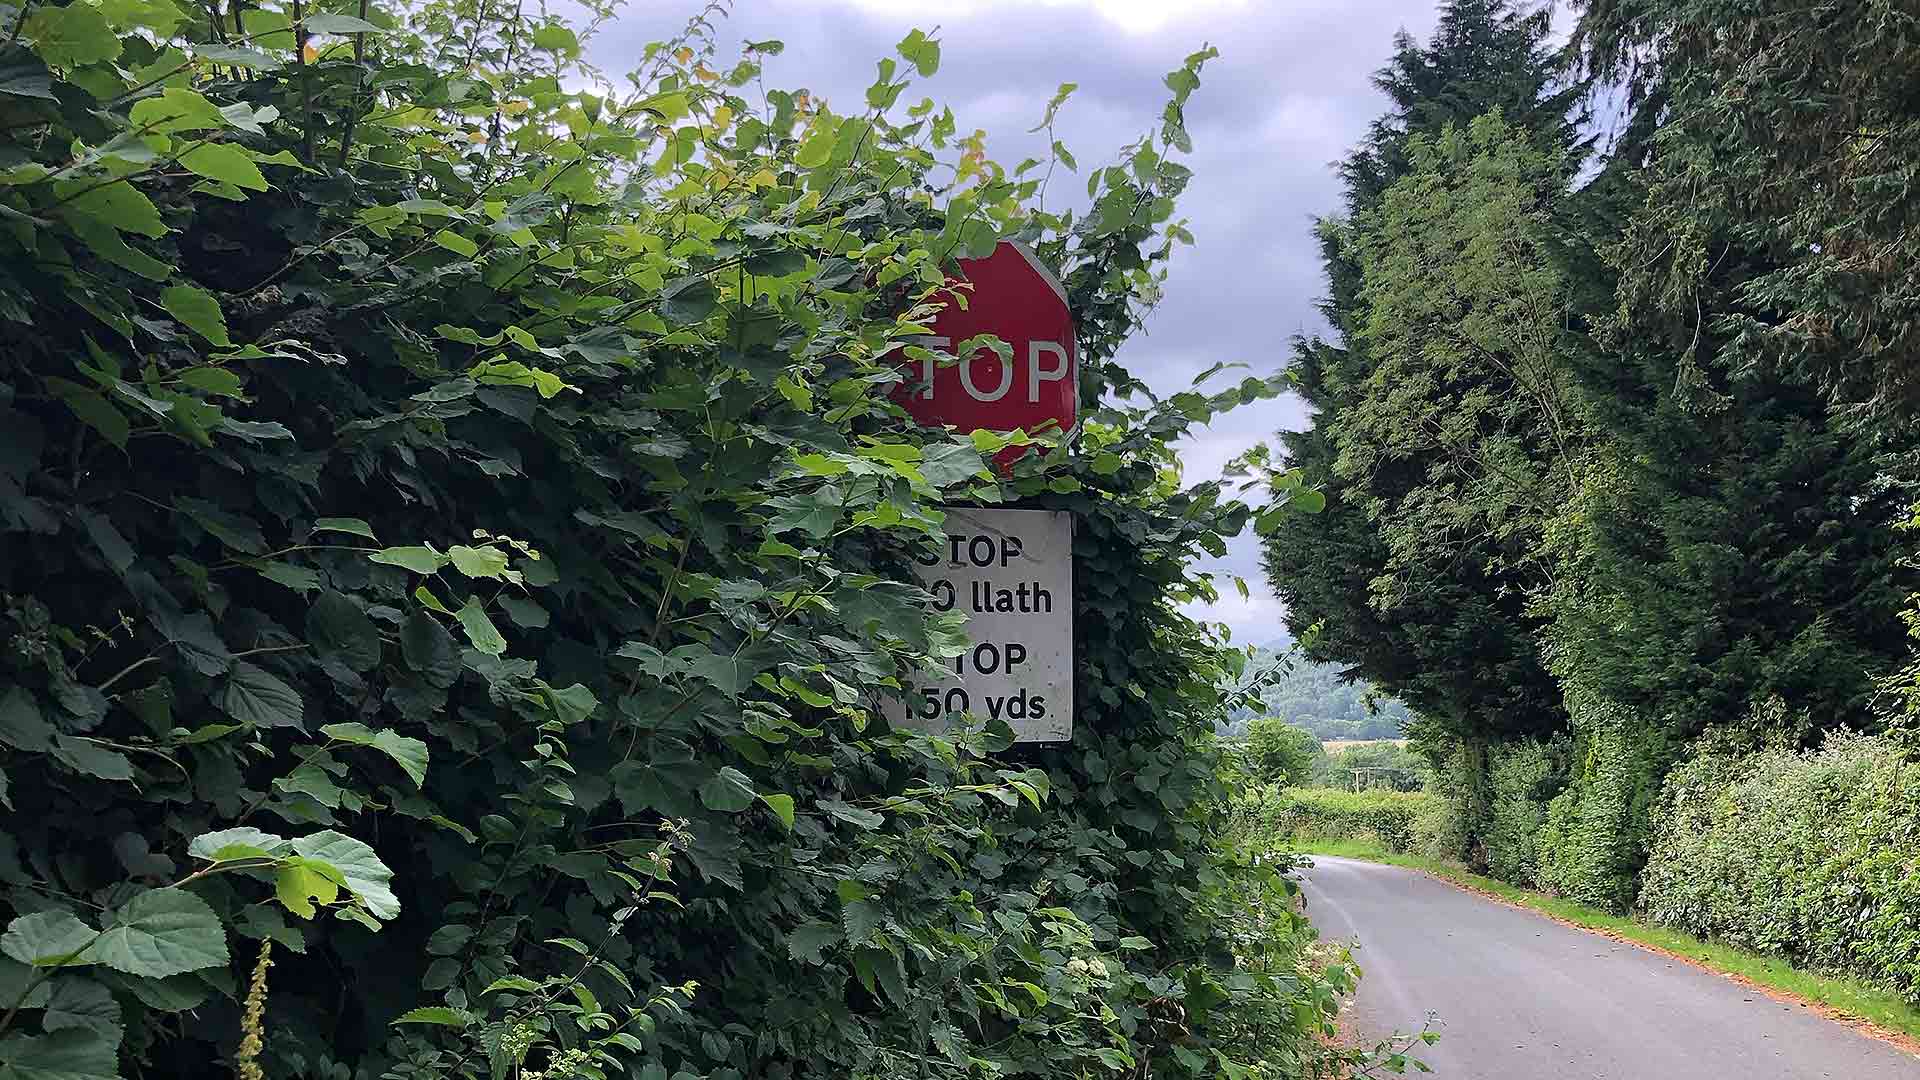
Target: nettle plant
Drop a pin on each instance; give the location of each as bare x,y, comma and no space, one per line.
453,537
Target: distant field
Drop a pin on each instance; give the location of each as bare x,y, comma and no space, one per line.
1334,746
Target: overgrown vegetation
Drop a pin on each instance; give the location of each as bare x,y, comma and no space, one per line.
1306,816
1616,428
454,530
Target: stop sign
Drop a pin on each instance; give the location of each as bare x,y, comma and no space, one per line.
1020,301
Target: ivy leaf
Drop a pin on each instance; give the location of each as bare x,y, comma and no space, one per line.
729,791
257,698
197,309
479,629
227,163
71,1054
409,754
163,932
48,939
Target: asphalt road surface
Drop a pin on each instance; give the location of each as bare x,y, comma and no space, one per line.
1517,996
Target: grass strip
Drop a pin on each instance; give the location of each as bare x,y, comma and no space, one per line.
1849,998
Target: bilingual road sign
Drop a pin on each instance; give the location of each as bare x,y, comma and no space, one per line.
1019,300
1011,573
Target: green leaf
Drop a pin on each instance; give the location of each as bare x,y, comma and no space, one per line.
47,939
352,526
118,204
922,52
197,309
806,941
688,300
339,24
782,807
420,560
478,562
75,1053
300,884
456,243
81,1003
729,791
71,36
160,933
409,754
21,725
242,842
342,633
85,756
434,1014
176,109
227,163
479,629
429,650
361,870
257,698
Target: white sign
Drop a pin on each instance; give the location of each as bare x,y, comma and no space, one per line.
1011,573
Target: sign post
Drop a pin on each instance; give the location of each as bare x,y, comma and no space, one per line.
1009,571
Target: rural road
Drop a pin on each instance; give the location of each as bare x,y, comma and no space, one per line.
1517,996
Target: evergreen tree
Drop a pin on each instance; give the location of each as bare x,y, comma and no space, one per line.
1453,637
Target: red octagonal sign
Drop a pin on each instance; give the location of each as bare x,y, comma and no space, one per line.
1018,299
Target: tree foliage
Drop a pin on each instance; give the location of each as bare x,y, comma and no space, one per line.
455,537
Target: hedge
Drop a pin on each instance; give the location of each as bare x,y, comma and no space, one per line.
454,546
1813,855
1309,814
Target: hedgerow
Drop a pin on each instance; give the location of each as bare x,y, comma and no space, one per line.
1810,855
1307,814
453,531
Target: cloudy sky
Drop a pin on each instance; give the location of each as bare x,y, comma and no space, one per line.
1289,94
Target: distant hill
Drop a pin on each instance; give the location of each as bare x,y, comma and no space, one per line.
1313,697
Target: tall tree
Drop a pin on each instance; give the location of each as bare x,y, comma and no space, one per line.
1452,635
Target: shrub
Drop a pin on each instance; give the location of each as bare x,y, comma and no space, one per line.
1595,839
1278,753
1524,777
1812,855
453,538
1307,814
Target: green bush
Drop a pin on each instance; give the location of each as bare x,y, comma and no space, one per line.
1276,752
454,546
1811,855
1524,777
1596,834
1307,814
